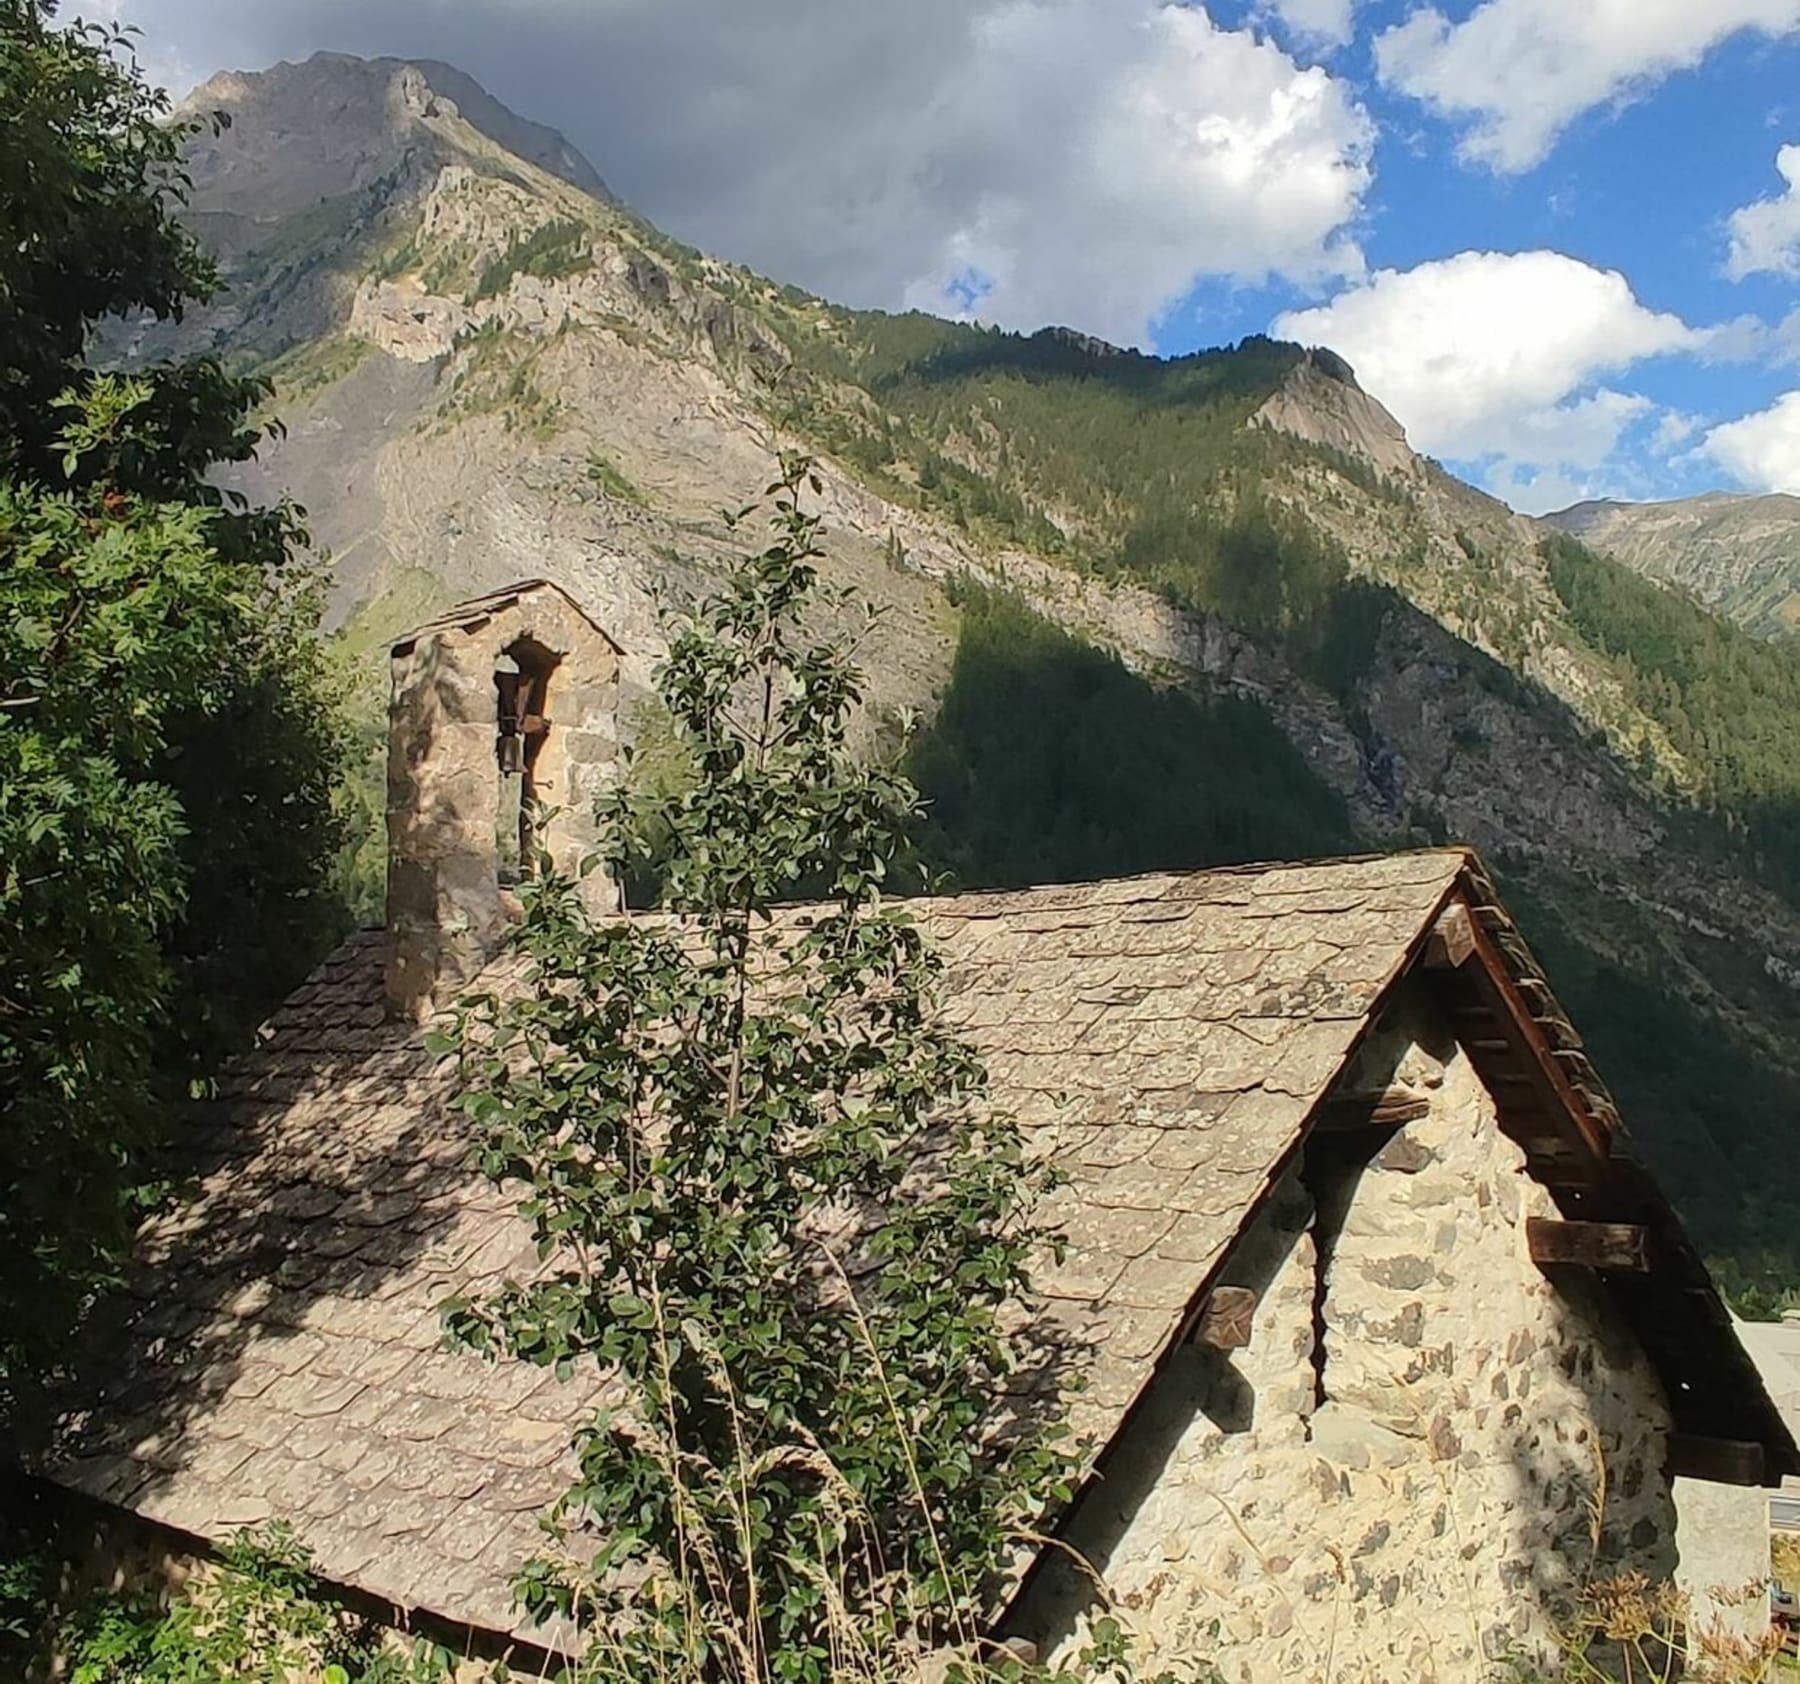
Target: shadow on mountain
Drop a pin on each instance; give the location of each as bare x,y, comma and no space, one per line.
1050,761
1726,698
1712,1107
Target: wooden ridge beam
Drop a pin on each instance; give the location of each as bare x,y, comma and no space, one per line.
1452,939
1622,1247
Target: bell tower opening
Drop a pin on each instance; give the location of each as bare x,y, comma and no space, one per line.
522,674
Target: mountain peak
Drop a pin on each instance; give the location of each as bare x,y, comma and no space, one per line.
335,123
1320,401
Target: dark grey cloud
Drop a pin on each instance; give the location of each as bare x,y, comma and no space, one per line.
1082,161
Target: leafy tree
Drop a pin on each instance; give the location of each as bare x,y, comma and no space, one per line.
259,1617
767,1191
168,744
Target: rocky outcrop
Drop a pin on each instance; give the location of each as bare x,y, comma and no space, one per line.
403,320
301,135
434,89
1321,403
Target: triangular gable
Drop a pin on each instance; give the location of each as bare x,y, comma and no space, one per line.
478,610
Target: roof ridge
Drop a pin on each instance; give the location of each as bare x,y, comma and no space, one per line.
1462,853
476,610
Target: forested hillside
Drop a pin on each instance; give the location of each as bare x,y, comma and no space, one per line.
1139,611
1740,555
1048,761
1728,700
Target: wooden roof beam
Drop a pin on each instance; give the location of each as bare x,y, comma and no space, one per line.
1225,1318
1723,1461
1544,1075
1620,1247
1388,1109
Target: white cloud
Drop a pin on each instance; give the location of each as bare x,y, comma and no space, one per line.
1751,339
1541,491
1520,71
1321,23
1673,429
1128,165
1765,236
1762,451
1495,355
1577,433
1742,339
1076,161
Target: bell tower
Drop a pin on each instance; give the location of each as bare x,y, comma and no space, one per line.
503,732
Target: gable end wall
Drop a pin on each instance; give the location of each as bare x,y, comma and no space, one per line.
1431,1514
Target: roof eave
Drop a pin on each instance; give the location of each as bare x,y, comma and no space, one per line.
1564,1120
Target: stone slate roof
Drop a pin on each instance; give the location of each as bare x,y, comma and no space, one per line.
1165,1037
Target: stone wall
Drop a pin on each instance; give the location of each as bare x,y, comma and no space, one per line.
1722,1537
1397,1478
447,911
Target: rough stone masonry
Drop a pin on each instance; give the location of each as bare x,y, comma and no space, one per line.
1398,1477
447,906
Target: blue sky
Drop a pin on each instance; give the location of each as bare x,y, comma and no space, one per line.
1550,234
1643,184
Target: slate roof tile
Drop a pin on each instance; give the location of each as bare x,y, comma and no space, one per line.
1163,1036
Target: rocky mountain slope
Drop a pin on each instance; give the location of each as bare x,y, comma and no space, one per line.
1738,554
1181,611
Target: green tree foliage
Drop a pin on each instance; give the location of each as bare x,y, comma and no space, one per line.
168,748
1051,439
1049,762
1131,466
1729,700
260,1616
553,252
767,1191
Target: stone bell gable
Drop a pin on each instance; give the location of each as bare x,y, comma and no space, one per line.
503,731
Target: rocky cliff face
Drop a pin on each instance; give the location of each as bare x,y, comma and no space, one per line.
490,370
336,124
1320,402
1739,555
